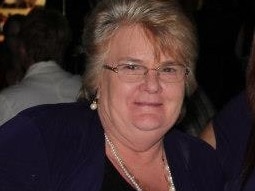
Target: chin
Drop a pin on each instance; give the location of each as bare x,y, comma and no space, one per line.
148,122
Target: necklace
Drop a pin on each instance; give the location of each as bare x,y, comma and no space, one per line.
132,179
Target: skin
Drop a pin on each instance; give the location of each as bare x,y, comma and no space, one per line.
208,135
136,115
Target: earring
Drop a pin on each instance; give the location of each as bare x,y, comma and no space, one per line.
93,105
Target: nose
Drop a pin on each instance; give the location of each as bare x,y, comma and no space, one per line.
151,82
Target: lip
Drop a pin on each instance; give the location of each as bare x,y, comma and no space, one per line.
148,104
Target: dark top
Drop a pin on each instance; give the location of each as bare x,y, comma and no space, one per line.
113,181
232,127
61,147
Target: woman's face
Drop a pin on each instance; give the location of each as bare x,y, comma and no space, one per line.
148,106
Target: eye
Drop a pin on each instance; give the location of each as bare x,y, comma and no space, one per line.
169,69
131,67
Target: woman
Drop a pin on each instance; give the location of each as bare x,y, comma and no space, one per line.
231,133
141,58
248,172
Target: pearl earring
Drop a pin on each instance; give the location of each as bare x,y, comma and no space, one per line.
93,105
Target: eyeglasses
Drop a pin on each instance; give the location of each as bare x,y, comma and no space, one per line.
168,73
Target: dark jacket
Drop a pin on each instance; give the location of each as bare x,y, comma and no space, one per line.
232,127
61,148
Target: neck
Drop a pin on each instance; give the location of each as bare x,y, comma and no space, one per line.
144,153
137,142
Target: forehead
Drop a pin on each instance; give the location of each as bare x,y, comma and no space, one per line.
133,41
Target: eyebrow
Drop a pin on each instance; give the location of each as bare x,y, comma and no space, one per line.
130,59
138,61
168,62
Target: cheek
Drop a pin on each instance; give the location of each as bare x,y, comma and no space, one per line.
174,97
115,92
175,91
121,94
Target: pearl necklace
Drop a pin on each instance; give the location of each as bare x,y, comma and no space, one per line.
131,177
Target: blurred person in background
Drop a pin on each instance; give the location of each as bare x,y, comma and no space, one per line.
231,132
43,37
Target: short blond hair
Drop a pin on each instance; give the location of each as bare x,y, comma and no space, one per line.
171,30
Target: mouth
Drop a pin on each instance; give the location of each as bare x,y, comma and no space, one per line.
148,104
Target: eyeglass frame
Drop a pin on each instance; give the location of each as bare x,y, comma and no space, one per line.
186,71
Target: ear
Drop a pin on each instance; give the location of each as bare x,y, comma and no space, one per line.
22,49
26,62
99,85
97,96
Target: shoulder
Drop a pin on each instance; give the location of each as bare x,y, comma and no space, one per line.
73,82
195,150
191,143
11,90
196,160
8,101
17,91
51,115
48,141
200,157
234,112
58,109
233,122
232,127
53,121
56,116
